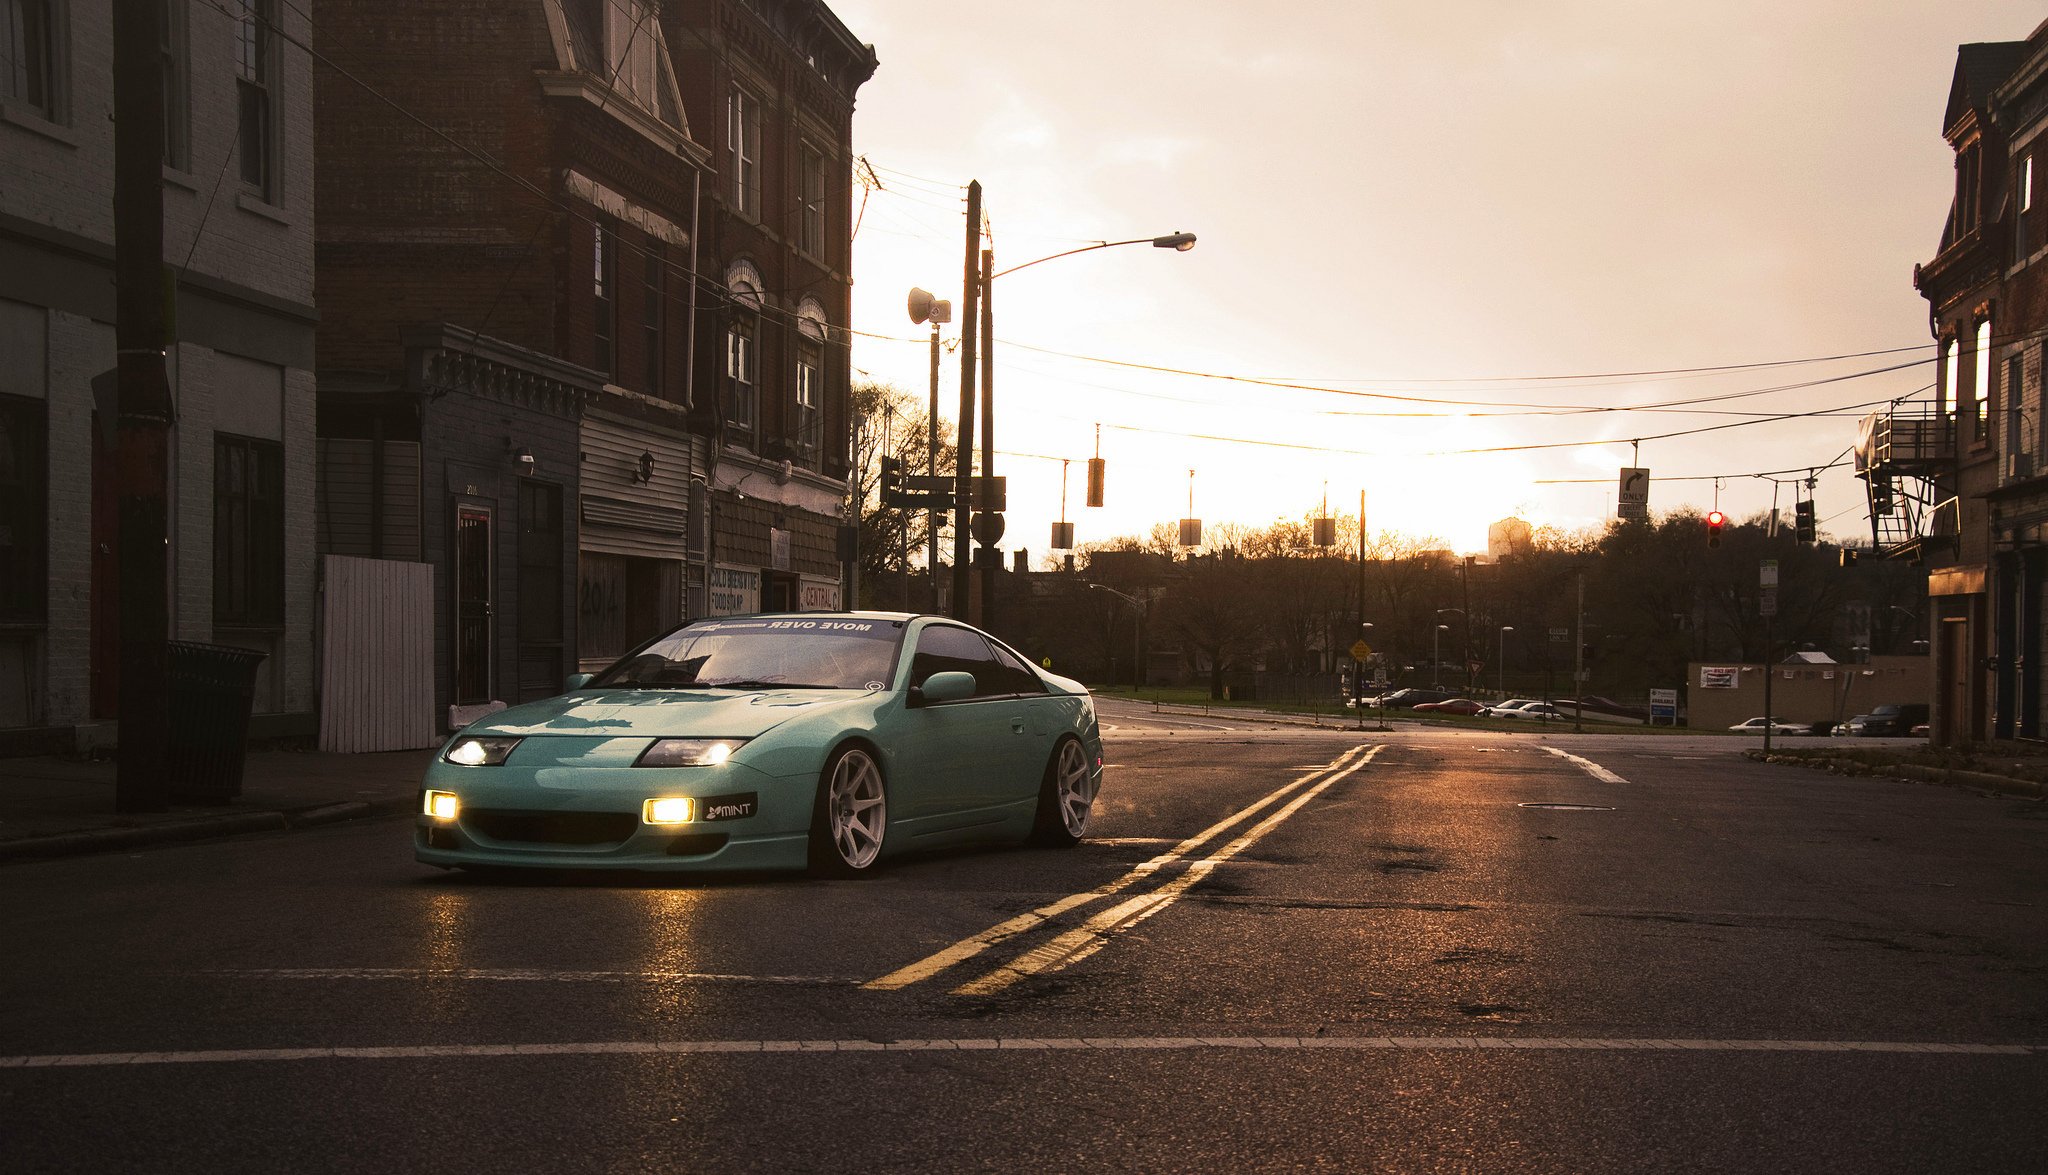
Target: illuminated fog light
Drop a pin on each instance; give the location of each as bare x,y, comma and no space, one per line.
689,752
672,810
480,752
442,805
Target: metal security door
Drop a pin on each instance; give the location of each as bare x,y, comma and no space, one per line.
473,601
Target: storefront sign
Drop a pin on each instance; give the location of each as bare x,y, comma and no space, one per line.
817,595
1720,676
733,591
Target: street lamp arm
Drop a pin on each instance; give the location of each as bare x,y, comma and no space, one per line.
1179,242
1134,602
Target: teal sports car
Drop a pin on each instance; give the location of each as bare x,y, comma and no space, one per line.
827,740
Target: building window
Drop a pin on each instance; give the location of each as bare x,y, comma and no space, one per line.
813,180
24,506
248,531
256,94
29,54
651,312
743,147
2015,424
740,374
1980,395
2022,224
604,293
1969,163
1950,396
808,378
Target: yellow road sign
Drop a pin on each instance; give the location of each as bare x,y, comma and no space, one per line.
1360,650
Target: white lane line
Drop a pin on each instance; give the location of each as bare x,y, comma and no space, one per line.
522,975
1090,936
1011,1045
1588,766
967,948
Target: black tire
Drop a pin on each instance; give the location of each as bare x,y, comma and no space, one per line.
1066,797
850,817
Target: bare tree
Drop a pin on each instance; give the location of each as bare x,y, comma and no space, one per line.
890,421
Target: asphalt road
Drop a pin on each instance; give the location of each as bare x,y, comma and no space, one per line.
1282,949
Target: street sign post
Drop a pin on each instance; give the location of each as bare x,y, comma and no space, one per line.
1633,500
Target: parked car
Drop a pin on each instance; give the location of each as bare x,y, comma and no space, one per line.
1776,726
1464,707
1405,699
1538,712
1852,728
1894,719
1505,709
828,739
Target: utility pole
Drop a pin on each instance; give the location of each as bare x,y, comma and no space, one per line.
931,439
1358,665
963,475
143,418
1579,659
989,525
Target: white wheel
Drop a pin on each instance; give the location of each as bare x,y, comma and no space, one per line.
1066,799
852,815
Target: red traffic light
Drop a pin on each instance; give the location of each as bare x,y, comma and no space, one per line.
1716,518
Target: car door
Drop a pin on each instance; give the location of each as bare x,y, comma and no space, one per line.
1024,768
952,753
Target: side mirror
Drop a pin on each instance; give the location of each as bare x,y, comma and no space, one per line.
576,682
950,686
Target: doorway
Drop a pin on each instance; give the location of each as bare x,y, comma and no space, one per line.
473,601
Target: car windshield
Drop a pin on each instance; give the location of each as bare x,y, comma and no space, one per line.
765,653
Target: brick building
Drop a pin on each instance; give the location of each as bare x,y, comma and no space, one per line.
238,235
770,85
529,375
1961,484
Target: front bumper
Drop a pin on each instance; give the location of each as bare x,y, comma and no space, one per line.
586,817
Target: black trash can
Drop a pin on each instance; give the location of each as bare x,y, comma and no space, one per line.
212,688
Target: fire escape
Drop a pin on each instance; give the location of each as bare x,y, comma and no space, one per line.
1902,456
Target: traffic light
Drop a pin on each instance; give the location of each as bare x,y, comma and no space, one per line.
1802,520
892,480
1715,520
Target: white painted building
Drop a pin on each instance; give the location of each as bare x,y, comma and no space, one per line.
238,232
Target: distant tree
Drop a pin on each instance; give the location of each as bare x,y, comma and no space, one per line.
889,420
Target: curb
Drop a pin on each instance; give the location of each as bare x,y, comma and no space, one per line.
108,840
1915,773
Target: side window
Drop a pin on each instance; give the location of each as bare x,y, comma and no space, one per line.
944,648
1016,677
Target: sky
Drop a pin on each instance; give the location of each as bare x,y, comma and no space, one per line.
1470,226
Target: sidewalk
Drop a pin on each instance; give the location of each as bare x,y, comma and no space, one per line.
53,807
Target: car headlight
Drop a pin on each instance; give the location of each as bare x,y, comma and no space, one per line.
689,752
480,752
441,805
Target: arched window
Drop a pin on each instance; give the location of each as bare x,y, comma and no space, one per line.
742,348
809,417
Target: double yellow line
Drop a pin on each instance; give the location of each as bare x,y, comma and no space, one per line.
1089,937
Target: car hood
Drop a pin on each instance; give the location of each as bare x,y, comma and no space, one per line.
655,713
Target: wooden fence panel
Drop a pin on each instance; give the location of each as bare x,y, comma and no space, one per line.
376,655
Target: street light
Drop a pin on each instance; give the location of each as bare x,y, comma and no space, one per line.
979,281
1501,661
1436,650
1137,629
925,308
1178,242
